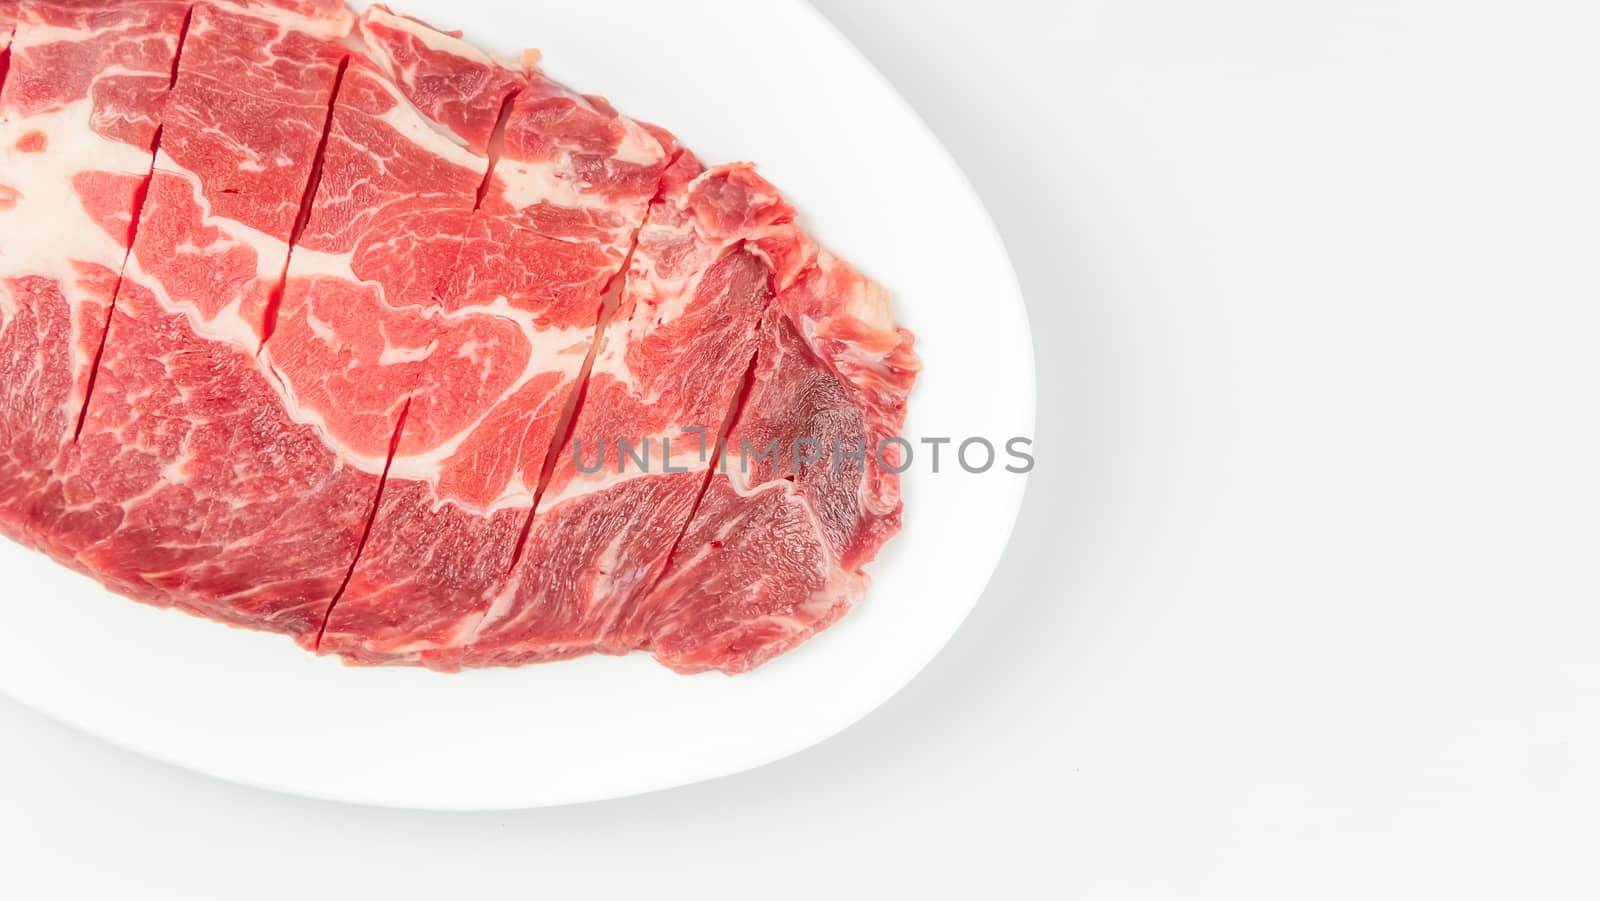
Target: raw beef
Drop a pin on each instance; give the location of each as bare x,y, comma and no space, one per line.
555,228
338,298
83,84
777,549
186,486
673,359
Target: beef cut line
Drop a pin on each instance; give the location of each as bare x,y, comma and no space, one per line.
299,309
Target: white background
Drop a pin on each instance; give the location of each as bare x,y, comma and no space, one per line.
1303,602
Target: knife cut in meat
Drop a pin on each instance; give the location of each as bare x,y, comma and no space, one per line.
776,550
84,83
339,327
553,231
186,485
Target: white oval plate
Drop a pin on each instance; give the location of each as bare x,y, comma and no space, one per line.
771,82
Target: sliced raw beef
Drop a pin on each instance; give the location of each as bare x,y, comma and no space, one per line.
670,366
84,83
553,233
175,493
325,334
303,316
361,339
776,550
